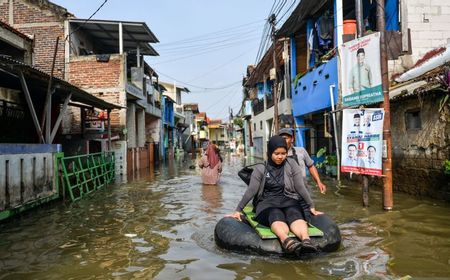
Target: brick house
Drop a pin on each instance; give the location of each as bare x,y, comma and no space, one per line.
104,58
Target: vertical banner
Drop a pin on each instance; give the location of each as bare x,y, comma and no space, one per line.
361,71
362,141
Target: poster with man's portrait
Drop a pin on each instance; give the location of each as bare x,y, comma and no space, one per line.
362,141
361,71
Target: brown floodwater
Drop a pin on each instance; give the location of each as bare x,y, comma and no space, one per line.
161,226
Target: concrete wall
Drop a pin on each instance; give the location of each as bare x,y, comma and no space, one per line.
284,107
428,22
418,155
26,174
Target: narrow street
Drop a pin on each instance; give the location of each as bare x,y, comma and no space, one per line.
162,227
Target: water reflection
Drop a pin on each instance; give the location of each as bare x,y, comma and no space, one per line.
161,225
212,196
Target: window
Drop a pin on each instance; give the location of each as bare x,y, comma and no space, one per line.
260,124
254,126
413,120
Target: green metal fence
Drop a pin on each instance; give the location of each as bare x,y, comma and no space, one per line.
84,174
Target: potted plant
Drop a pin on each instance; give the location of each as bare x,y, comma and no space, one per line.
321,159
332,164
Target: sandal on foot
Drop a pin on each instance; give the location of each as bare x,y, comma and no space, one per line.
307,247
290,245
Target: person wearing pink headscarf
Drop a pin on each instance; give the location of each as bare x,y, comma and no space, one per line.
211,165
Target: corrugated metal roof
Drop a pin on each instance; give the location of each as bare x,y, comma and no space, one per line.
106,35
297,19
15,31
10,68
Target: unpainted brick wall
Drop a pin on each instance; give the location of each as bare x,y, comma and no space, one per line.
103,80
45,25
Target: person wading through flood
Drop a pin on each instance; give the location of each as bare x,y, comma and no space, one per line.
276,191
211,165
301,156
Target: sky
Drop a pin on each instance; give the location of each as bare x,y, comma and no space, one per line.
204,45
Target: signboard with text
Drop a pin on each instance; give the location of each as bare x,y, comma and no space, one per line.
361,71
362,141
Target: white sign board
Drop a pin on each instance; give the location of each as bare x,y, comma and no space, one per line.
362,141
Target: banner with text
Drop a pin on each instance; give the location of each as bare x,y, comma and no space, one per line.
361,71
362,141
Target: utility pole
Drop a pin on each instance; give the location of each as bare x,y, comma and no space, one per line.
275,81
388,201
359,34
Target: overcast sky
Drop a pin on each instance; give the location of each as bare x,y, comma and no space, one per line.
205,45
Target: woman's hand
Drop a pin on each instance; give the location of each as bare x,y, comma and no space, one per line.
315,212
236,215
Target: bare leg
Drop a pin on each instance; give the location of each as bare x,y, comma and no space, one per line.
300,229
281,229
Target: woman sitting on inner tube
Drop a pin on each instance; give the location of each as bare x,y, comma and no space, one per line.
276,201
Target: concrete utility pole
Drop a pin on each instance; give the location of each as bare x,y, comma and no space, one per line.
275,81
388,201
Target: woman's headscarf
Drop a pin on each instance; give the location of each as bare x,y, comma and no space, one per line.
211,154
275,142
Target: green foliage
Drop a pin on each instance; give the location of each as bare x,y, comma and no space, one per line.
331,159
321,152
447,167
239,122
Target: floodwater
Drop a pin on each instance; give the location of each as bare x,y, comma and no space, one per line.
161,226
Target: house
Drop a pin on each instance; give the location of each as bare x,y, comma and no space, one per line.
31,120
316,31
202,136
174,123
104,58
188,138
259,88
217,132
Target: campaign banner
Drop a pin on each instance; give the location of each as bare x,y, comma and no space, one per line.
361,71
362,141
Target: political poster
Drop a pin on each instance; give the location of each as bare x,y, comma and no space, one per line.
361,71
362,141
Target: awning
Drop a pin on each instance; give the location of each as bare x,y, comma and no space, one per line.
106,35
37,81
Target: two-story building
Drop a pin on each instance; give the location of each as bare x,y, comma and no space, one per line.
188,137
175,123
103,57
316,32
32,106
259,87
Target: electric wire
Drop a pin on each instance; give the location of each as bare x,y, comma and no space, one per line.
196,86
87,20
205,36
213,49
220,66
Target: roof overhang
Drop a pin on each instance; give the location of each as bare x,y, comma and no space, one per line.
297,20
37,82
261,71
106,34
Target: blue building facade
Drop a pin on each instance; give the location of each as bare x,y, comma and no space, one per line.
168,126
314,42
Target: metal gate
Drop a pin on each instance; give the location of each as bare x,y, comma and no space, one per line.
84,174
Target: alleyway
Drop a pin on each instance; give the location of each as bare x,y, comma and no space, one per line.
161,227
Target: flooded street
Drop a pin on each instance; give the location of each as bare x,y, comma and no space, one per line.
162,227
